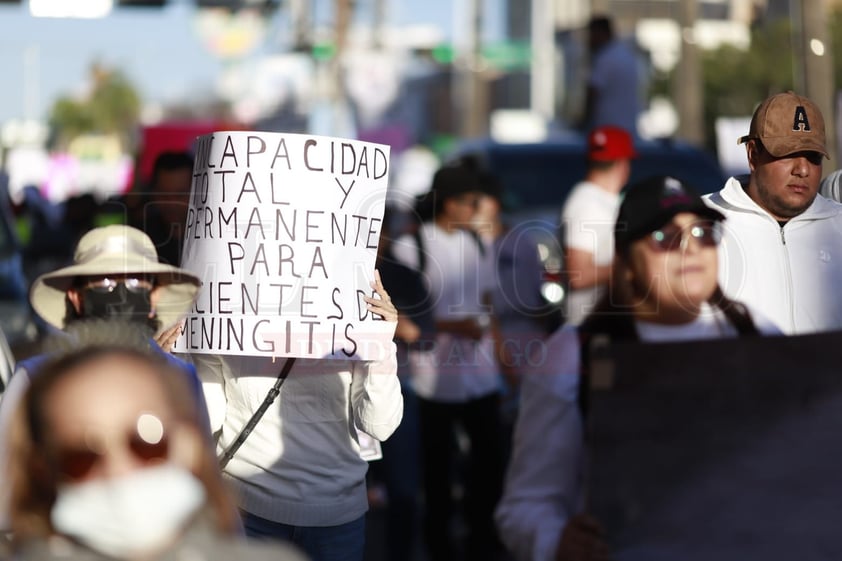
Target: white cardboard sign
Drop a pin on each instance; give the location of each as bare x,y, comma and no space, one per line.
283,230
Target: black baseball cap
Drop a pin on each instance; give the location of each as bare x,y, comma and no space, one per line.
649,204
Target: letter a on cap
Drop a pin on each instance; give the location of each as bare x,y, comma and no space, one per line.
801,122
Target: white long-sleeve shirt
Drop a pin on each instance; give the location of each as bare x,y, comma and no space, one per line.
543,487
301,465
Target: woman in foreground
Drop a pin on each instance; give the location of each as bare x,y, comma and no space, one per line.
664,288
108,461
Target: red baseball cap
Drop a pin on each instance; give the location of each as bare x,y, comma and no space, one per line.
609,143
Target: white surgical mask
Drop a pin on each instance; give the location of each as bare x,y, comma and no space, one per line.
128,515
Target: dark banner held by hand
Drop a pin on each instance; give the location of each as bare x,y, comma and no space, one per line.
718,450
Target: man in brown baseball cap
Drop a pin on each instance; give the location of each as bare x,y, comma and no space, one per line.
782,251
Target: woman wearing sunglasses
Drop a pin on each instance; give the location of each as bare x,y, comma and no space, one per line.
109,461
664,288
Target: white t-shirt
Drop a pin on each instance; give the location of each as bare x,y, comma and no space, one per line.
587,220
457,273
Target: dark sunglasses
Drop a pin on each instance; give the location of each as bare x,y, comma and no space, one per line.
106,285
148,443
673,238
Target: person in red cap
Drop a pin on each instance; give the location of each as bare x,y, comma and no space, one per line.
587,219
782,251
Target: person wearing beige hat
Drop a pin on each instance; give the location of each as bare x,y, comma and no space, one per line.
115,274
115,277
782,249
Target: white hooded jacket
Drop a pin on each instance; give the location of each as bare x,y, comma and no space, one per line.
791,273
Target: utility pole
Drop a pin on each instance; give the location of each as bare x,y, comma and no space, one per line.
600,7
378,24
817,63
302,24
688,82
329,113
474,93
343,11
799,76
543,71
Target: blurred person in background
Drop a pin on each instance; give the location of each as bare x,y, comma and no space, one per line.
39,229
664,288
588,216
399,469
162,210
115,277
522,317
108,462
80,216
831,186
782,250
459,391
613,92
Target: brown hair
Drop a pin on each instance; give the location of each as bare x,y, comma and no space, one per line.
33,483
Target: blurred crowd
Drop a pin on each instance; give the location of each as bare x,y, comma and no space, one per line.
110,442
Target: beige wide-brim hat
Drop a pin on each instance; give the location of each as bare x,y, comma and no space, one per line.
116,250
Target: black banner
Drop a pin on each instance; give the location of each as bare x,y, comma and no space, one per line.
718,450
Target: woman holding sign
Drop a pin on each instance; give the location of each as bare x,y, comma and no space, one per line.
664,288
298,468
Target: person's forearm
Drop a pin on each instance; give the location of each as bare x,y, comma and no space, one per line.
592,276
466,327
582,271
407,330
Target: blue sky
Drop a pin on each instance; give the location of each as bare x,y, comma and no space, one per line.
42,58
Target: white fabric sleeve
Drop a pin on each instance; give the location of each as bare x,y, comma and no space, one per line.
543,480
581,223
211,371
487,259
376,396
405,250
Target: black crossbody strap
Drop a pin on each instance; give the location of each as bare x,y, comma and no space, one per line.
267,401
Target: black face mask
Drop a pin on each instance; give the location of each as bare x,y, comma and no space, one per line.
121,303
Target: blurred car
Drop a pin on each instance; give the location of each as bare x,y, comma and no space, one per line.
537,178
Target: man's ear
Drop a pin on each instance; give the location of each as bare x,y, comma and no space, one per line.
75,298
753,154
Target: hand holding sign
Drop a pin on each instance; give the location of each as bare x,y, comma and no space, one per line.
381,306
167,338
583,539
